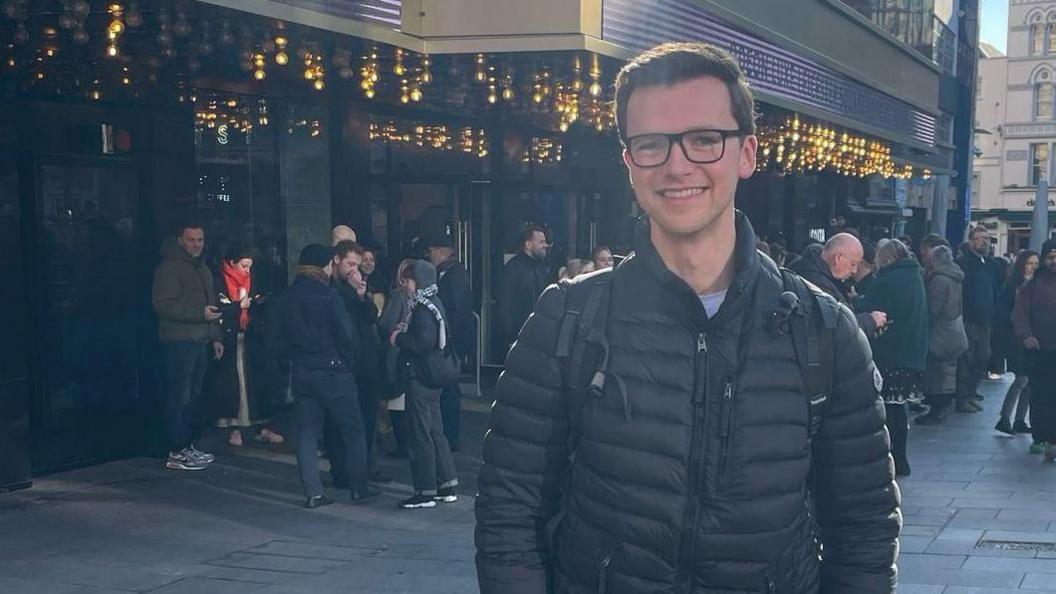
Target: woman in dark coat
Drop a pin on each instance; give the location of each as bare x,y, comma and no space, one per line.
901,351
947,339
239,392
1018,395
425,333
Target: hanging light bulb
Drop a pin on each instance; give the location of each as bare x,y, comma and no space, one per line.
416,94
319,84
111,50
116,28
259,74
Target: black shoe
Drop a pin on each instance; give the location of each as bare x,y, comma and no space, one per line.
1022,427
356,496
418,502
445,495
1004,426
934,417
317,501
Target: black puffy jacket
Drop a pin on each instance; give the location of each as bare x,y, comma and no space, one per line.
692,468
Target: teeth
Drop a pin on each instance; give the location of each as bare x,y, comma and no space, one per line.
686,193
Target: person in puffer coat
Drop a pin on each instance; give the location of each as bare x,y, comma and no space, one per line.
692,470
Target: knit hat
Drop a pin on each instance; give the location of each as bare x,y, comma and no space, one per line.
1048,246
315,254
424,274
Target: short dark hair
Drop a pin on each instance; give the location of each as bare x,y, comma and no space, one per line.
933,240
597,251
868,252
671,63
529,231
187,224
343,248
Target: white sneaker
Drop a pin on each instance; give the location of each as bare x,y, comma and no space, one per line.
199,456
180,461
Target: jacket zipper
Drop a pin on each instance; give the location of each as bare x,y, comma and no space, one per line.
725,430
603,572
688,539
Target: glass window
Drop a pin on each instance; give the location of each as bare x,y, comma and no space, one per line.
1039,162
1050,45
1043,100
1037,39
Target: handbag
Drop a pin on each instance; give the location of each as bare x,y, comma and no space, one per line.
440,368
948,339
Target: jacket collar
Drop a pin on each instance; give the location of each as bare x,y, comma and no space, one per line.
745,258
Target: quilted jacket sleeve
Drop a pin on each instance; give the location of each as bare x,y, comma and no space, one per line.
525,457
856,498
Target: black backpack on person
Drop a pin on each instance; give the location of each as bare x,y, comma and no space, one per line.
583,345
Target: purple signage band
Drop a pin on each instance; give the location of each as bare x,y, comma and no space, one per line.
382,12
770,68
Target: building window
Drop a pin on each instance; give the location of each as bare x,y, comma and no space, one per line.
1039,162
1050,38
1037,39
1043,94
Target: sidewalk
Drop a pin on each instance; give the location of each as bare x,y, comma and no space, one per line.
980,519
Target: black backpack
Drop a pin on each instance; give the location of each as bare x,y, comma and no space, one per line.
583,345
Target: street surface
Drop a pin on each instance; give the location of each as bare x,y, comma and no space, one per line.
980,518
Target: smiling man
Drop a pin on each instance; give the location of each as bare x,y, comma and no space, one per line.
695,461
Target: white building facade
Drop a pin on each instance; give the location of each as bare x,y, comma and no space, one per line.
1015,137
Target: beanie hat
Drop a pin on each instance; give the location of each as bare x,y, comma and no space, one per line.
1048,246
315,254
424,274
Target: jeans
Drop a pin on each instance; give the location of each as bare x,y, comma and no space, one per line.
1018,398
432,465
451,411
1043,395
322,394
185,365
368,408
975,362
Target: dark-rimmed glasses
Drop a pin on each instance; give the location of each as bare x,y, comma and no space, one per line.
700,146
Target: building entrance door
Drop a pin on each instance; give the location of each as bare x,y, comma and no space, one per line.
88,306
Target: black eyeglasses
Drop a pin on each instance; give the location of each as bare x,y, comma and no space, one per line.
699,146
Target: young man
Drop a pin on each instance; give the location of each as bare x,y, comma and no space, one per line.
692,469
1035,327
183,299
314,333
980,290
349,282
523,280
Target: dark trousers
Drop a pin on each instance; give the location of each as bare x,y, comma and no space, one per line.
432,465
323,394
1042,365
898,429
368,409
451,411
185,365
975,362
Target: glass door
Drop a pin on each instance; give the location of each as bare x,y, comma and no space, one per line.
89,310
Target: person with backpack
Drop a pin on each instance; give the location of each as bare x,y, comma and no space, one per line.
427,364
696,419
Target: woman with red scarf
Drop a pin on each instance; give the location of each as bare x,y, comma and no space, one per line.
237,399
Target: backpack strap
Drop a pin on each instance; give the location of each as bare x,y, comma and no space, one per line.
812,326
582,341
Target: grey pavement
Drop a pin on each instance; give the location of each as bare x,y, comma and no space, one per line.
980,519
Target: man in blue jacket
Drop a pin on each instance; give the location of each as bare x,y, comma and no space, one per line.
314,333
980,290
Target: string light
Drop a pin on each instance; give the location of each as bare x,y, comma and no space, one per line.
430,137
368,73
481,74
281,57
258,65
116,27
798,146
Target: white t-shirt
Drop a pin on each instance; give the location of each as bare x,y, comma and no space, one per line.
712,302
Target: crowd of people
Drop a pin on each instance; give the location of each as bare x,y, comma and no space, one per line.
941,321
344,348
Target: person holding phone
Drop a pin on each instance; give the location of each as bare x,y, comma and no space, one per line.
237,391
188,325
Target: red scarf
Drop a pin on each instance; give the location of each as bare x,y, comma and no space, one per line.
236,280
